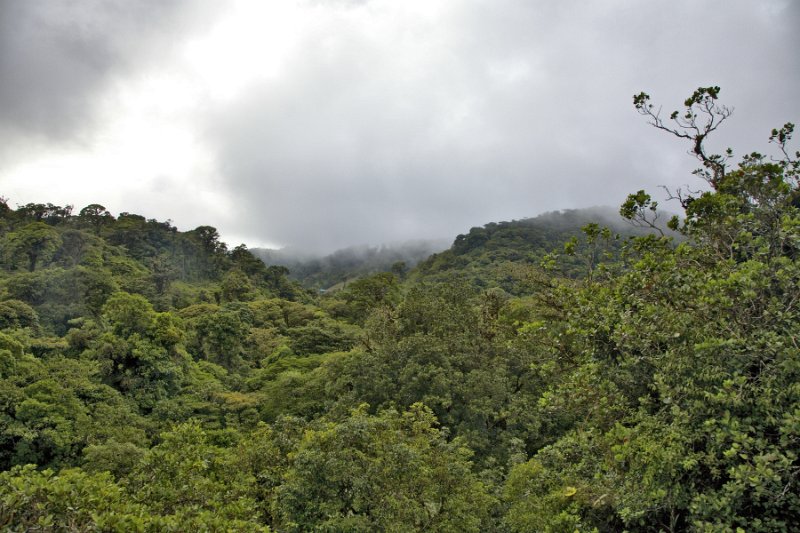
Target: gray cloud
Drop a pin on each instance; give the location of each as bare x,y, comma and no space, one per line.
504,110
387,125
56,58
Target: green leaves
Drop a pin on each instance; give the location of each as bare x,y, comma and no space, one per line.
702,96
641,100
392,472
179,495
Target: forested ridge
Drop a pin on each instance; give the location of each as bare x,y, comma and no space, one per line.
589,379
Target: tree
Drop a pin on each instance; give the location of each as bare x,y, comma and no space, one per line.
36,242
73,500
17,314
236,286
142,355
206,250
678,387
49,213
369,293
391,472
744,208
247,262
216,334
209,239
188,476
51,408
96,216
701,116
33,500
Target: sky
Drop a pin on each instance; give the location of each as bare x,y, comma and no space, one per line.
319,124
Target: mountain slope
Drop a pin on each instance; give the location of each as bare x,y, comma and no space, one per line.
484,256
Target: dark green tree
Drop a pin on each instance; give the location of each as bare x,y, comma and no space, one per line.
35,243
96,216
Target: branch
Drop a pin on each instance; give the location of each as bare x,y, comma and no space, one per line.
701,105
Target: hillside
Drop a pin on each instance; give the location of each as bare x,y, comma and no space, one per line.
490,256
155,380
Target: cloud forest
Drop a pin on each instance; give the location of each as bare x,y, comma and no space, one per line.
584,370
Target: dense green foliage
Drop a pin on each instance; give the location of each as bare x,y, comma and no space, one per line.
527,379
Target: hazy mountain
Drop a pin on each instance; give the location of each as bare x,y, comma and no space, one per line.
323,271
483,255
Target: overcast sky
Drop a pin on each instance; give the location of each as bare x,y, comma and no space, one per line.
326,123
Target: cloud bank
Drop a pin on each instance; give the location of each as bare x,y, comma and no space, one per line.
322,124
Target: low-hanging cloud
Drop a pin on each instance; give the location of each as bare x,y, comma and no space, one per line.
483,111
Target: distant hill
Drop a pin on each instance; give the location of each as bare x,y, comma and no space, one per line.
322,272
66,266
484,255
